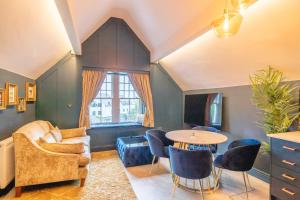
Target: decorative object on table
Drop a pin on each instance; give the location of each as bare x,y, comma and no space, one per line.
275,99
159,144
2,99
213,147
134,151
239,157
11,94
21,106
30,91
186,164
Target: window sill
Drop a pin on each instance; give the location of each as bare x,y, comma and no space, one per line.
116,125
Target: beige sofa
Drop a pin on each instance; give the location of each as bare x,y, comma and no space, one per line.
35,165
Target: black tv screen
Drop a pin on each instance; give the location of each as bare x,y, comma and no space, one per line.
203,110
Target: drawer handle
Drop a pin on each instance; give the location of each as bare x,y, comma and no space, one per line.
288,162
289,148
288,177
288,191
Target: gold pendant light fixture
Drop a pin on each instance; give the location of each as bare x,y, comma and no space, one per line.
241,5
229,23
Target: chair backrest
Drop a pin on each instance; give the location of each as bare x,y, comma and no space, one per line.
161,135
156,145
206,128
241,155
195,164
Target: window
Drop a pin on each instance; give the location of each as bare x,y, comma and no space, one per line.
116,102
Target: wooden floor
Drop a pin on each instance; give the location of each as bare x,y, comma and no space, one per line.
158,185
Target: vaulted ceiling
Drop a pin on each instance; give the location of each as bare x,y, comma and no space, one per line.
269,35
36,34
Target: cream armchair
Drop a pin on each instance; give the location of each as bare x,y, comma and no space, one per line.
36,165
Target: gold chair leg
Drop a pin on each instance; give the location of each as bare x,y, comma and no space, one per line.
244,177
175,184
249,184
152,165
218,177
201,189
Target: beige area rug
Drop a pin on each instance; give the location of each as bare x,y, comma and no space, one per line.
106,180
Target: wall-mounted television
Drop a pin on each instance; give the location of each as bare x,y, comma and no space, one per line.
203,110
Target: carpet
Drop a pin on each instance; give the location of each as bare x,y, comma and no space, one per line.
106,180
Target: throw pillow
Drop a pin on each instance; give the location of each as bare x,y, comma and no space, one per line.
48,138
56,134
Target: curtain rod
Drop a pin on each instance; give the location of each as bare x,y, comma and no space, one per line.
115,70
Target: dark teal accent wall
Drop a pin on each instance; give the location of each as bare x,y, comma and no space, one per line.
167,99
10,119
59,93
114,45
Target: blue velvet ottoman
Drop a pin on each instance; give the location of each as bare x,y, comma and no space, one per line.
134,151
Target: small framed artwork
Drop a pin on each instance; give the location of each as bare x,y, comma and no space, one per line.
2,99
21,106
30,91
11,94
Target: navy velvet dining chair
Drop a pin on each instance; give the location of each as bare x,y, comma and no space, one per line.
159,144
190,164
213,147
240,156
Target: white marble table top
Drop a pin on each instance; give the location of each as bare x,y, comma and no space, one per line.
196,137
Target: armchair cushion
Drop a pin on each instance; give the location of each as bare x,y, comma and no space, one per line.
63,148
85,140
74,132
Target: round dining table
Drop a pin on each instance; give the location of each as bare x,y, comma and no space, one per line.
196,137
185,138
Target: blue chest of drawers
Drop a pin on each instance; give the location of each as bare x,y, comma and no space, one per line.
285,169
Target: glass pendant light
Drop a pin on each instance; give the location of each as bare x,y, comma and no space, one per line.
241,5
228,24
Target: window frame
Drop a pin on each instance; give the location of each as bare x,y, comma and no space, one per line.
116,100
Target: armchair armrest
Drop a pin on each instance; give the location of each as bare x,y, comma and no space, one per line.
35,165
73,132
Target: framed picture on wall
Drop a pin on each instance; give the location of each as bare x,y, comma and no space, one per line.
11,93
30,91
21,106
2,99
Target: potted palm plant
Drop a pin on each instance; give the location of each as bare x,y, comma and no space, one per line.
276,100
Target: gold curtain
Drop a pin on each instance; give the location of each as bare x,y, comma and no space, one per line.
91,85
141,83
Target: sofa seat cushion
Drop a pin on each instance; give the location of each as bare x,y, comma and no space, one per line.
76,148
85,140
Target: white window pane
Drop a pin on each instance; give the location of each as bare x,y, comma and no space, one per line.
126,79
108,87
131,87
102,113
121,94
108,78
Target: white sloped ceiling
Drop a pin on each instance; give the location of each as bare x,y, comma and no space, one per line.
269,35
32,36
